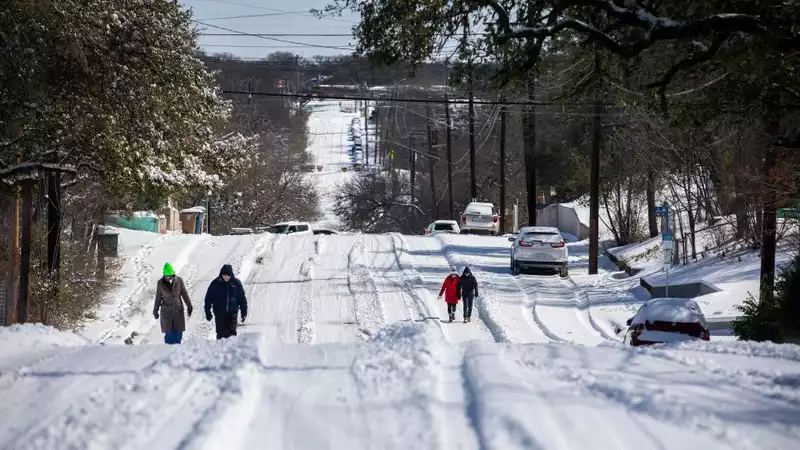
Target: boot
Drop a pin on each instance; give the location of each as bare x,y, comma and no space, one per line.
452,317
466,320
469,319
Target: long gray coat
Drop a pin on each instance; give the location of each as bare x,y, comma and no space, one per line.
168,304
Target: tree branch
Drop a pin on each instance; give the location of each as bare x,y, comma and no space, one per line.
656,28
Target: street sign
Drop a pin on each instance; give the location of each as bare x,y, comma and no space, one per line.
789,213
660,211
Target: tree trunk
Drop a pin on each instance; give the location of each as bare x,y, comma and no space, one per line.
652,221
768,228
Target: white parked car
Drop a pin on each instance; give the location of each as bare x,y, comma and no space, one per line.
291,228
442,227
480,218
539,248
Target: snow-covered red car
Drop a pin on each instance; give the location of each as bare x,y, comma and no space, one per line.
663,320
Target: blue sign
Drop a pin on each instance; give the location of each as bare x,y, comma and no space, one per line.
660,211
666,237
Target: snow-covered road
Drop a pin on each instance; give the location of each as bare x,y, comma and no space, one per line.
406,388
346,347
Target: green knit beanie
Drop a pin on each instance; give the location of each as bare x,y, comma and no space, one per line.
168,270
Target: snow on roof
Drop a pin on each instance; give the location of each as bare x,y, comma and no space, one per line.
194,209
446,221
291,222
538,230
681,310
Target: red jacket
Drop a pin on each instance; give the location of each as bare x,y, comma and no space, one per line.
450,288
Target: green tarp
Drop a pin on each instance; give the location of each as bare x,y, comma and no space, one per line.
134,223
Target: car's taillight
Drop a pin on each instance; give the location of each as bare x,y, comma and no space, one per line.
525,244
559,245
463,219
495,219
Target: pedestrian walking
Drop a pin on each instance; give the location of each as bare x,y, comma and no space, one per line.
168,308
467,291
450,291
224,299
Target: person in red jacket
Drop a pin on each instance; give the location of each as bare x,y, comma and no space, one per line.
450,291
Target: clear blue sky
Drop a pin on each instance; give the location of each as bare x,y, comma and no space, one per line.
276,17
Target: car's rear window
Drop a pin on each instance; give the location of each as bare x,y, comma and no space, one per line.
302,228
443,227
279,228
541,237
483,210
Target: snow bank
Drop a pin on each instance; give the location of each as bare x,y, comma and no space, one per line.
19,343
37,336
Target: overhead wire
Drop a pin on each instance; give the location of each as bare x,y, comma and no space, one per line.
270,38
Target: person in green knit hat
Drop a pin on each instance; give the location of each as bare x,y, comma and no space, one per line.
171,294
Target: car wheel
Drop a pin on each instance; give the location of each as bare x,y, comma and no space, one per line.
564,272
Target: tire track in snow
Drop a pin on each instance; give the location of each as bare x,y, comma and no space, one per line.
559,310
305,307
367,307
489,310
410,281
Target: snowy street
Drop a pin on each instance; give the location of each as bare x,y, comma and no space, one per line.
407,385
346,346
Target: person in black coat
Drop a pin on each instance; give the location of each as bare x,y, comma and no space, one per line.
467,291
225,298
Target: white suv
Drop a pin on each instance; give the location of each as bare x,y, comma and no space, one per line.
480,217
540,248
291,228
442,227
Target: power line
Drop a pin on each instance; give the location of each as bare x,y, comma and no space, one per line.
409,100
238,33
248,16
264,8
242,33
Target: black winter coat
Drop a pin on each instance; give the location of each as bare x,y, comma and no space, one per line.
226,297
467,284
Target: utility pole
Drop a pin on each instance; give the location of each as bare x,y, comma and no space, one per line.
473,187
413,176
25,257
366,132
377,135
449,160
502,167
594,176
431,162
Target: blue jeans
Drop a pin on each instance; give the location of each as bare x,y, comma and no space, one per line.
173,337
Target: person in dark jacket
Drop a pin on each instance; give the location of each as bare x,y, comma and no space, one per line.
224,299
467,291
168,307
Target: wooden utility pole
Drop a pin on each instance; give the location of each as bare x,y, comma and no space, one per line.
449,144
431,162
473,186
377,135
502,167
594,176
366,132
25,254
